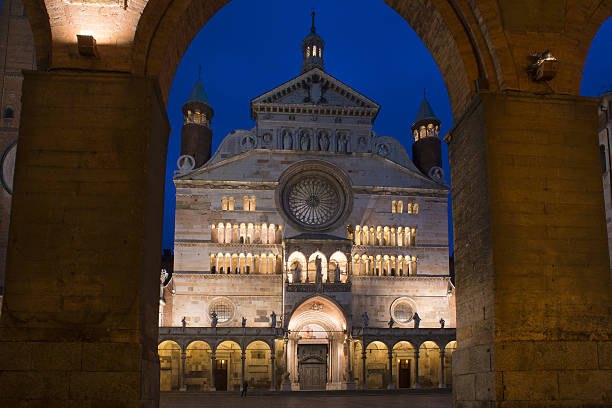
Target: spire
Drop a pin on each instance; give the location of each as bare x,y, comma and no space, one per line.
198,94
312,49
426,111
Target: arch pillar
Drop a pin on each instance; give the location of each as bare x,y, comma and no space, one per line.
390,385
442,384
272,370
213,366
182,385
122,183
416,367
363,366
570,235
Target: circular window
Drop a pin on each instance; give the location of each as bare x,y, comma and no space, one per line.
402,311
223,308
313,201
314,196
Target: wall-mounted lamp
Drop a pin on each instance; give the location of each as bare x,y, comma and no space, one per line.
544,66
87,45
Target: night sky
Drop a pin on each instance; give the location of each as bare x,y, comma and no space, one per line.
250,47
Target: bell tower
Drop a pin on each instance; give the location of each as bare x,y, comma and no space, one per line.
312,49
196,134
427,147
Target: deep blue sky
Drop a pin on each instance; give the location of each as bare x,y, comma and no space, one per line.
250,47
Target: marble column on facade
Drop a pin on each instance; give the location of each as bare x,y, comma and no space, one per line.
442,382
213,365
182,386
390,384
416,369
272,370
363,366
286,384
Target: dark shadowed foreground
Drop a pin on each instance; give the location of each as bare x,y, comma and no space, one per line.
308,399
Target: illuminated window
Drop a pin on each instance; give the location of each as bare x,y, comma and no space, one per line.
245,203
231,204
314,50
393,207
308,52
252,207
415,208
224,204
400,207
319,52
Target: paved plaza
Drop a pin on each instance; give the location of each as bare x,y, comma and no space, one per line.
309,399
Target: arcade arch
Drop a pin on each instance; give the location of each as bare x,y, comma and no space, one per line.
169,353
197,366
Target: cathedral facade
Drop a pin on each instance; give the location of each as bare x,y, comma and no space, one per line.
310,253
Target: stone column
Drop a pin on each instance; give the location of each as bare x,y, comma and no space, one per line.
242,373
182,386
363,365
88,185
213,366
416,369
442,384
272,370
390,386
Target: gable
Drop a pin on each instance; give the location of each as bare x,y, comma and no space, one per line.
315,87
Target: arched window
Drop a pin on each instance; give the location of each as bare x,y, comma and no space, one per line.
393,207
319,52
357,235
409,209
400,207
271,234
252,206
213,233
231,204
224,204
415,208
307,52
314,50
245,203
228,233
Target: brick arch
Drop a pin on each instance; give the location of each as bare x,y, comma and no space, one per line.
167,27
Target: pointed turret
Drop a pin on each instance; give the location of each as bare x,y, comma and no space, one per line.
312,49
427,147
196,136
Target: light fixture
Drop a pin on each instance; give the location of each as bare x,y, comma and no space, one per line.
544,66
87,45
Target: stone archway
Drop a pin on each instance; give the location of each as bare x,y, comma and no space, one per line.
510,152
316,357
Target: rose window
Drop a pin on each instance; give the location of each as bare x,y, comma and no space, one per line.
313,201
314,196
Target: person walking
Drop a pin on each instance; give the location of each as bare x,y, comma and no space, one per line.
245,386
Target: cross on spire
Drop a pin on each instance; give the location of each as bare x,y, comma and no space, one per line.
312,29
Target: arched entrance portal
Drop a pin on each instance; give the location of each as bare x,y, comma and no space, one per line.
316,359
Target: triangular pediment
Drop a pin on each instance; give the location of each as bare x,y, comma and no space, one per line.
315,88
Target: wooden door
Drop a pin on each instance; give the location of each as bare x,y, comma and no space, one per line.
221,375
404,374
312,362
